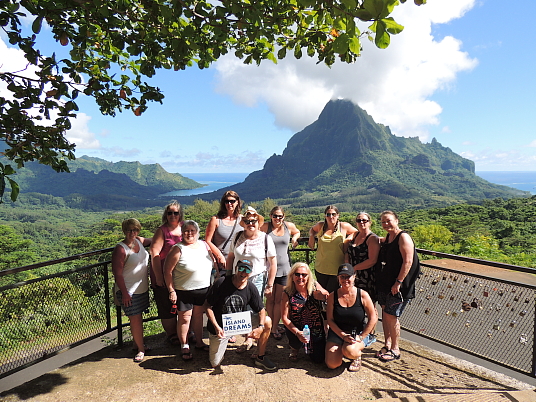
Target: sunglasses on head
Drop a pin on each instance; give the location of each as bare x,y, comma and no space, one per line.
176,213
250,221
229,201
362,220
242,268
278,216
300,275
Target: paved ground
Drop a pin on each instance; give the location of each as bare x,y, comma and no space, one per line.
423,374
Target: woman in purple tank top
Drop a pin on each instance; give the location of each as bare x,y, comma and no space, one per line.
165,237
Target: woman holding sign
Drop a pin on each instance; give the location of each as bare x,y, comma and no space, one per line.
233,294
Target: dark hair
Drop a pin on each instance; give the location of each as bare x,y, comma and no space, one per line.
222,212
277,208
166,209
325,226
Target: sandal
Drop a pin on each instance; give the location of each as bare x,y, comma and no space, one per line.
355,366
382,351
139,357
186,355
243,348
389,356
232,339
277,336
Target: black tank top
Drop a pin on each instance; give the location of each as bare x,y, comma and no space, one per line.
349,318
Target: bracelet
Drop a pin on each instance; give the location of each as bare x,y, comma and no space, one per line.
172,292
261,325
399,281
269,286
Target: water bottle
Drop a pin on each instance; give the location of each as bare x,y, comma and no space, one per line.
307,336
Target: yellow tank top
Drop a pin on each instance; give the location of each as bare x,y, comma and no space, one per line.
329,253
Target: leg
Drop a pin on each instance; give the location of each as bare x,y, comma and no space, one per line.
263,339
197,325
217,348
170,326
270,304
183,325
278,289
333,355
352,351
136,328
391,329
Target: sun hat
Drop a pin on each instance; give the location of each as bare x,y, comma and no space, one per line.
251,213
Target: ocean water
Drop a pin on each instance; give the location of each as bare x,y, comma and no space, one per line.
213,181
523,180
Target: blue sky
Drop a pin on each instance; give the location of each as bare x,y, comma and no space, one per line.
461,71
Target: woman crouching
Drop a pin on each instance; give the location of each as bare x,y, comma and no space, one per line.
348,308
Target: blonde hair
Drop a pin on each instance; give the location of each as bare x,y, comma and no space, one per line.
127,223
291,287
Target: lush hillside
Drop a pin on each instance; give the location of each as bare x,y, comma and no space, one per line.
347,159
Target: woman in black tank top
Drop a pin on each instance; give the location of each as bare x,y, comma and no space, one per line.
348,307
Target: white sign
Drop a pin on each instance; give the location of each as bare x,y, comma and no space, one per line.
237,323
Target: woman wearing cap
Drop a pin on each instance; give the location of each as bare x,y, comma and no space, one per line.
223,226
396,273
187,271
331,234
164,238
300,306
361,251
282,233
348,308
129,267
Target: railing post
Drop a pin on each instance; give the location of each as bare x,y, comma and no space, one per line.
107,298
534,345
119,327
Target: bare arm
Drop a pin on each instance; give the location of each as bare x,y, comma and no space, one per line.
347,229
272,271
156,262
373,244
406,248
169,265
295,233
286,320
209,235
118,263
146,242
230,261
210,314
312,234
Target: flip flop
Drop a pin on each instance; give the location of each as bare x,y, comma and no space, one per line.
174,340
243,348
232,339
389,356
277,336
139,357
293,356
186,355
355,366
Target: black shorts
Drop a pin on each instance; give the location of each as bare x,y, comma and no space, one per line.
187,299
281,280
163,305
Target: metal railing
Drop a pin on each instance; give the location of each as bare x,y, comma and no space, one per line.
487,317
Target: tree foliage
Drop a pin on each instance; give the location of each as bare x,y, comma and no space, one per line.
114,46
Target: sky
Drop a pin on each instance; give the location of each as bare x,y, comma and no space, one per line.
462,71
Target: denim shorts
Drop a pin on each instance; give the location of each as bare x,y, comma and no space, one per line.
392,304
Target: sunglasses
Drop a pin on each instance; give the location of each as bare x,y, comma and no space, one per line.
250,221
230,201
362,220
132,230
300,275
345,277
176,213
331,214
278,216
242,268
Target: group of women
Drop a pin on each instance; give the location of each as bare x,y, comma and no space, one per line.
332,316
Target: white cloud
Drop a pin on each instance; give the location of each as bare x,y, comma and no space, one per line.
532,144
392,85
203,161
80,134
492,159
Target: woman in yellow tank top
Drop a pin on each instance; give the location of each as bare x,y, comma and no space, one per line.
329,255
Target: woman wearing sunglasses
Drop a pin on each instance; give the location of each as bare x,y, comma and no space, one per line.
331,234
348,310
361,251
164,238
300,307
222,227
282,233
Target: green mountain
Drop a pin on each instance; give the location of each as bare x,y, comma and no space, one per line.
347,159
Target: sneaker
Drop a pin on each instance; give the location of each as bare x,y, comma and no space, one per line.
265,363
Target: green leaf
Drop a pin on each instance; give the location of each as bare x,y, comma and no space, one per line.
355,45
350,4
382,39
36,26
392,26
341,44
8,170
15,189
374,7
